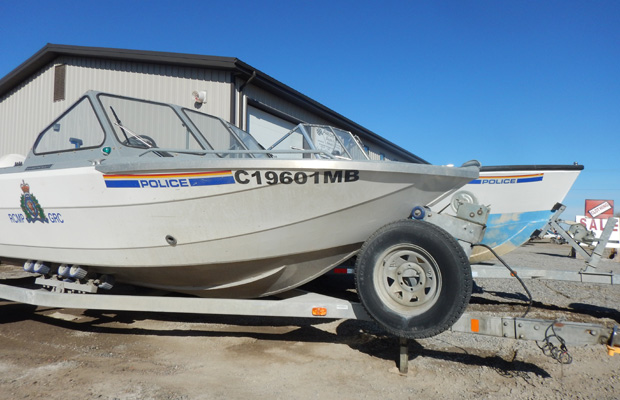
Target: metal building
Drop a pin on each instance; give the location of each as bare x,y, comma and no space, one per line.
46,84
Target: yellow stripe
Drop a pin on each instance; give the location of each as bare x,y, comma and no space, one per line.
167,176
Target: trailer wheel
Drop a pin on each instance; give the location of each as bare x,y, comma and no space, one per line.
413,278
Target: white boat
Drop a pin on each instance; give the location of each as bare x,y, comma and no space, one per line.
521,197
166,197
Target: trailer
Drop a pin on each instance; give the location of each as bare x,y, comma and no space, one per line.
52,291
301,304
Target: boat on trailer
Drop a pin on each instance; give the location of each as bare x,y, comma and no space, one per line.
125,190
522,200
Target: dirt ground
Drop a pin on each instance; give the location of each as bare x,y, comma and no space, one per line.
84,354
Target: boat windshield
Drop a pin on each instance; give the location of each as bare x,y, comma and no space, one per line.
222,135
145,125
77,129
319,141
167,130
148,125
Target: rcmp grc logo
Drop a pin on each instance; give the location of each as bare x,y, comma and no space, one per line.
30,206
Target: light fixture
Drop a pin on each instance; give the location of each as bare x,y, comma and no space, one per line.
200,96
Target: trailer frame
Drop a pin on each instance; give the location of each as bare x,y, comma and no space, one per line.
297,304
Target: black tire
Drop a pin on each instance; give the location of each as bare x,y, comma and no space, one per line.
413,278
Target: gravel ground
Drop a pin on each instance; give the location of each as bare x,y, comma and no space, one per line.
64,354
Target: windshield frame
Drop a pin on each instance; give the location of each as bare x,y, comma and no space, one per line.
46,130
233,131
117,125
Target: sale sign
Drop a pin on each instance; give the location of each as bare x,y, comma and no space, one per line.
597,225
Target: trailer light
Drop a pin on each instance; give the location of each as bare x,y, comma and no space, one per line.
319,311
475,325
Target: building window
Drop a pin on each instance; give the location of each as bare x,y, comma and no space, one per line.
381,156
59,82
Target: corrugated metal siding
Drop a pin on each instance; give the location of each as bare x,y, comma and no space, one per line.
27,109
283,106
375,153
165,83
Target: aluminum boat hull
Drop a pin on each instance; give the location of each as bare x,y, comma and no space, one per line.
219,228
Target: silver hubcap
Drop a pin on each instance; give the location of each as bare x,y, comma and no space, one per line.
407,279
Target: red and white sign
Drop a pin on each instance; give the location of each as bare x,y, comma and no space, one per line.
600,208
597,225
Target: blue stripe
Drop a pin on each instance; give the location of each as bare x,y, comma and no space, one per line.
220,180
122,184
525,180
519,180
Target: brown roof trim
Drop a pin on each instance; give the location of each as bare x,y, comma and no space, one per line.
51,51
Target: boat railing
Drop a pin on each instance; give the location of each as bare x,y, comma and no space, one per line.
350,146
224,153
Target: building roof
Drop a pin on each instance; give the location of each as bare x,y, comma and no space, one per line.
52,51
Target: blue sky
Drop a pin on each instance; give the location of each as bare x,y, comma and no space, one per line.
504,82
